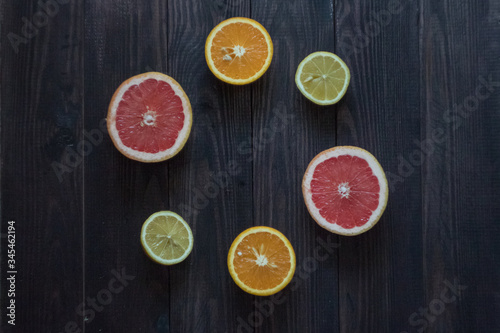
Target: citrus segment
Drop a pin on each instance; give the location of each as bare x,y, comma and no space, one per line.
261,261
323,78
345,190
166,238
238,50
149,117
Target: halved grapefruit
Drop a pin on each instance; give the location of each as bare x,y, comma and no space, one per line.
149,117
345,190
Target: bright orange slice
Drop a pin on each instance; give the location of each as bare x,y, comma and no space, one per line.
345,190
149,117
261,261
239,50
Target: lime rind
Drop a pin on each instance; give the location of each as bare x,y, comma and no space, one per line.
317,80
149,242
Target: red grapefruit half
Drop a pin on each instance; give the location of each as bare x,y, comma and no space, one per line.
345,190
149,117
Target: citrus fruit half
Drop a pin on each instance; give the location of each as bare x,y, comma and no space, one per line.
166,238
345,190
149,117
238,50
261,261
323,78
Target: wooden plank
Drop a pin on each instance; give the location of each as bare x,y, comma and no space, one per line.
41,174
381,270
288,131
460,97
122,39
211,180
417,71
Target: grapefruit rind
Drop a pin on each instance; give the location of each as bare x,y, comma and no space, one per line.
208,51
234,275
377,171
304,92
149,252
182,136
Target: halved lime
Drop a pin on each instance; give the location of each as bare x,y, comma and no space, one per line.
166,238
323,78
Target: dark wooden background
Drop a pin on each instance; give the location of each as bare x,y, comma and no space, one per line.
425,73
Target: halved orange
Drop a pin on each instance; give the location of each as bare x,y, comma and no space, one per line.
149,117
345,190
261,261
239,50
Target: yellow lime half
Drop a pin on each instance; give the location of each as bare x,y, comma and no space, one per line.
323,78
166,238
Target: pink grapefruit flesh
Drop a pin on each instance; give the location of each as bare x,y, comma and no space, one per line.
345,190
149,117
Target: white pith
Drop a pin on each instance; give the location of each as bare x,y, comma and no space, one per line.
149,118
344,190
377,171
238,51
261,260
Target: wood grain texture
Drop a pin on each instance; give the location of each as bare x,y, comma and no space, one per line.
122,39
41,110
288,131
418,68
211,180
380,272
460,178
